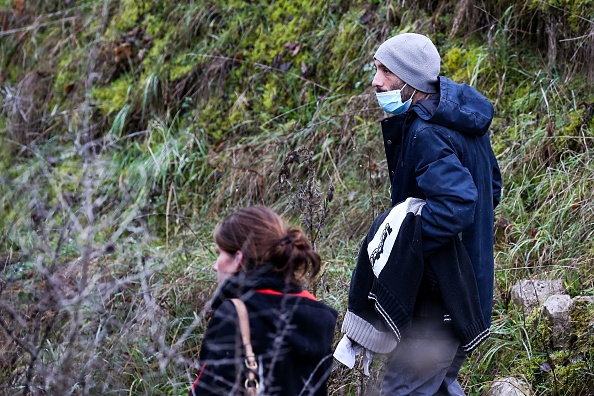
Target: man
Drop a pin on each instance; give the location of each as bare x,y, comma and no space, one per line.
438,149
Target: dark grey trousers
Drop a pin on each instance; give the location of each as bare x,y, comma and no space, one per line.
427,360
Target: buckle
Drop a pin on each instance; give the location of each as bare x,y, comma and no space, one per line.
251,364
251,384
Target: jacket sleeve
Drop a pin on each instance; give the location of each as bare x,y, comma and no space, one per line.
220,355
361,282
448,186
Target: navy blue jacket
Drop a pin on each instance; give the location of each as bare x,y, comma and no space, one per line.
440,151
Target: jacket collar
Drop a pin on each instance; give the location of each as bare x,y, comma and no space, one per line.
242,284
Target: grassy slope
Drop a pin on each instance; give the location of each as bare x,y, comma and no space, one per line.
130,127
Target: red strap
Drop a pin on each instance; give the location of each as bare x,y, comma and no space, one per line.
303,293
198,379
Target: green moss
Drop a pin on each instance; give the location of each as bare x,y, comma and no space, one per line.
524,99
563,369
452,60
129,14
283,22
347,34
573,123
154,26
464,65
581,316
111,98
540,329
66,76
527,368
269,96
576,12
158,50
575,378
180,66
213,120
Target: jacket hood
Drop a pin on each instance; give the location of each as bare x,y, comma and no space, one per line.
459,107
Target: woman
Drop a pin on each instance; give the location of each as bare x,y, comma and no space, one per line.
263,263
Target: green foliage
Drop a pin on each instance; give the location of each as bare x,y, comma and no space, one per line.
464,65
576,12
112,98
65,77
129,13
582,313
162,117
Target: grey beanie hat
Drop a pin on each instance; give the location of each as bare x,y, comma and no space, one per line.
413,58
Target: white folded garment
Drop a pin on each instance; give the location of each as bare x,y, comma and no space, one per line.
346,351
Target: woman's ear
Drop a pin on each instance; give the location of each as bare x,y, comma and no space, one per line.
238,260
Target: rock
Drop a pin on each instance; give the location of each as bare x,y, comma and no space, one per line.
531,293
557,309
509,386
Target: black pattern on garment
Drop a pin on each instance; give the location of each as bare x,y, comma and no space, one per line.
377,252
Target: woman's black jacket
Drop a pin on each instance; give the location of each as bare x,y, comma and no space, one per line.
291,334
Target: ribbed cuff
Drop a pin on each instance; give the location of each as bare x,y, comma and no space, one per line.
474,335
364,334
392,312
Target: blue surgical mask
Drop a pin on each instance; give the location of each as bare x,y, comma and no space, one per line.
391,101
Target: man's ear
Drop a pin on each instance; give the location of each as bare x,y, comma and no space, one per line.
238,260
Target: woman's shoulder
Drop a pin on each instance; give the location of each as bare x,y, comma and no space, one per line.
267,302
304,301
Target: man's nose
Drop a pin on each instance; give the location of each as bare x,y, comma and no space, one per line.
377,80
